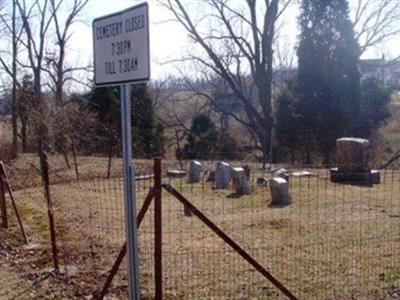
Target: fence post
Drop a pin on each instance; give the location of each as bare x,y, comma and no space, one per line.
186,211
3,205
46,181
157,229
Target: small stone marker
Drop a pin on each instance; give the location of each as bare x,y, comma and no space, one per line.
222,175
194,171
282,173
247,171
176,173
279,191
240,181
262,181
302,174
211,176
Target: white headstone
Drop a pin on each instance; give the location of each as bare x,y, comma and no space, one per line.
279,191
240,181
282,173
194,171
222,175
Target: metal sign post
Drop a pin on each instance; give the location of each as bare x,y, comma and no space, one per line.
121,57
130,195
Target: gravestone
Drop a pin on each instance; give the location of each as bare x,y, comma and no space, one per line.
262,181
279,191
282,173
353,155
302,174
194,174
176,173
211,176
247,171
222,175
240,181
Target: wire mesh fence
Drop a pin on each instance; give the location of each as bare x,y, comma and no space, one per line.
333,241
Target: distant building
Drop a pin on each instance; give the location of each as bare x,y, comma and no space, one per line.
385,71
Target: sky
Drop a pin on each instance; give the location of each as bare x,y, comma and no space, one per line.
168,39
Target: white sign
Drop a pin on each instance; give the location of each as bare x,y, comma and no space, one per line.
121,46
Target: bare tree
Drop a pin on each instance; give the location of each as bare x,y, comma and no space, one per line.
238,47
60,74
375,22
14,150
34,42
175,109
58,71
10,27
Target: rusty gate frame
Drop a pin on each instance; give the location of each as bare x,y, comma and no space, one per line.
189,209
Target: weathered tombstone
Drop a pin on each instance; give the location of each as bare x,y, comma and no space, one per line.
247,171
194,174
211,176
279,191
282,173
262,181
222,175
302,174
353,156
240,181
176,173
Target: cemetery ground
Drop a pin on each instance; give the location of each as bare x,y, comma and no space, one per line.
334,241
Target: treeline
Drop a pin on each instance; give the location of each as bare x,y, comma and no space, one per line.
274,118
88,124
147,131
206,141
327,99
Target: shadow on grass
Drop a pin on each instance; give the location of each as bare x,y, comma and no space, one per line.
358,184
235,195
273,205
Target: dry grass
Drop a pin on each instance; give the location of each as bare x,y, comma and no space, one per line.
333,242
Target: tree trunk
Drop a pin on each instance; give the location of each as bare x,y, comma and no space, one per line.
75,160
65,154
23,134
291,155
265,138
110,154
327,157
178,148
14,151
307,149
60,76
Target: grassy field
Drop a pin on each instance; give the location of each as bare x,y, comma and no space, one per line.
334,241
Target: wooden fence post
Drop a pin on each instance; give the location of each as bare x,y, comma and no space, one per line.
3,206
158,229
46,182
5,185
